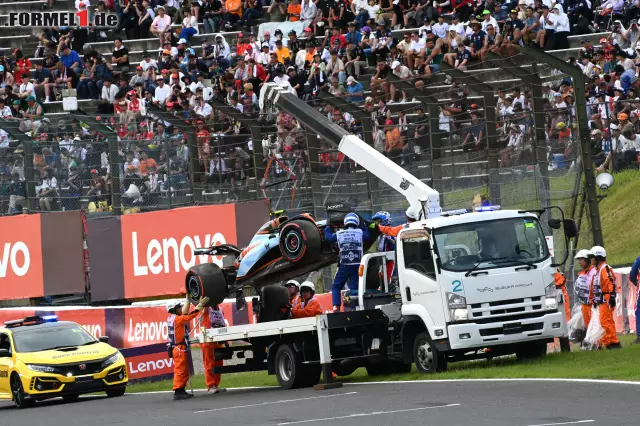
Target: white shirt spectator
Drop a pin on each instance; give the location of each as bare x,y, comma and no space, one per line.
417,46
146,65
4,139
190,22
440,30
515,140
543,21
460,29
492,21
134,162
628,64
630,144
161,93
204,110
162,23
403,73
109,93
5,112
26,88
309,10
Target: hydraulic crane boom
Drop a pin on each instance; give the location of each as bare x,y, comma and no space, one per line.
417,193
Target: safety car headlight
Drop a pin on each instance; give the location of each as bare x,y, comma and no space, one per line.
41,368
111,360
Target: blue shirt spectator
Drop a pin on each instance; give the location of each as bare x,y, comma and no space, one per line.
355,91
71,59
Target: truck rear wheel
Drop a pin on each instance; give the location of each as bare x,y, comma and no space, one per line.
206,280
290,371
300,240
427,357
531,350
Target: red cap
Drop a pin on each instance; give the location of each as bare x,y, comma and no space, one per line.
240,35
603,40
175,75
165,71
307,30
131,92
139,68
388,123
169,104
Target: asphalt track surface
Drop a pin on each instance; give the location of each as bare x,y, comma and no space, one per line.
478,403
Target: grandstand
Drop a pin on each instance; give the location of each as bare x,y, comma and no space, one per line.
227,157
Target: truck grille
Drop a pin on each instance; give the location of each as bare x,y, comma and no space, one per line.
500,330
511,309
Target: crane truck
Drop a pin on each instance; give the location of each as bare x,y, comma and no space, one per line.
468,285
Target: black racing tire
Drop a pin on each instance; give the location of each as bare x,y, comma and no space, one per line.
71,397
531,350
426,356
300,240
116,392
18,393
273,299
289,368
206,280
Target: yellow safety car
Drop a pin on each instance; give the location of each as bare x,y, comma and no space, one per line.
41,358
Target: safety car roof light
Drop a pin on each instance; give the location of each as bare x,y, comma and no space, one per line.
487,208
32,320
454,212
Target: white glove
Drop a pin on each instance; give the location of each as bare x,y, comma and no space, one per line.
203,301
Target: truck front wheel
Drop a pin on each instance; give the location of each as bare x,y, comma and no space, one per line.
427,357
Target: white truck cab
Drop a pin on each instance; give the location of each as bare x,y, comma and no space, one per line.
470,282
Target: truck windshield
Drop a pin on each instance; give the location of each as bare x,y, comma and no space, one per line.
491,244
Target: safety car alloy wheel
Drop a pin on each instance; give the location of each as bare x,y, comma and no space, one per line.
19,397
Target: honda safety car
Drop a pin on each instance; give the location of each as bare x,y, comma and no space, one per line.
43,358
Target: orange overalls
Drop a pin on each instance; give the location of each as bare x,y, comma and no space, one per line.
604,287
390,230
178,335
295,301
561,283
307,309
583,291
211,318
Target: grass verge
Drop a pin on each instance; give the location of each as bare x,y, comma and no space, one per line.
613,365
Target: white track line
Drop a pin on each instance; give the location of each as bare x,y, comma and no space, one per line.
275,402
592,381
374,413
566,423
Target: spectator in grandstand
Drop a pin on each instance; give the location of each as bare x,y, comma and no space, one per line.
120,57
6,79
232,14
355,91
108,98
41,78
31,116
161,25
47,191
189,26
70,58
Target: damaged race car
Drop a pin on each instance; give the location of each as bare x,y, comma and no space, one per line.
282,249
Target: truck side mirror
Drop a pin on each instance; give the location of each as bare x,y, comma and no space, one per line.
570,228
554,223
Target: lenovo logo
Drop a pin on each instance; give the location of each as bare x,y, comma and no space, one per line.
150,366
14,258
169,255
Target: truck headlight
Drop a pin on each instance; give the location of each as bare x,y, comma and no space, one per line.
460,314
456,301
551,297
41,368
112,359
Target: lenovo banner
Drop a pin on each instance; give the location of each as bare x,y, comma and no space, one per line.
147,255
41,255
150,363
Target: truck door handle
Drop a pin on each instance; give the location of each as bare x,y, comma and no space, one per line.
407,290
524,268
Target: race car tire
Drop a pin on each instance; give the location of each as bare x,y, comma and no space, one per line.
19,396
206,280
115,392
300,240
273,299
71,398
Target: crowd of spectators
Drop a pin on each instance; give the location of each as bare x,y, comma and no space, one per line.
348,49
